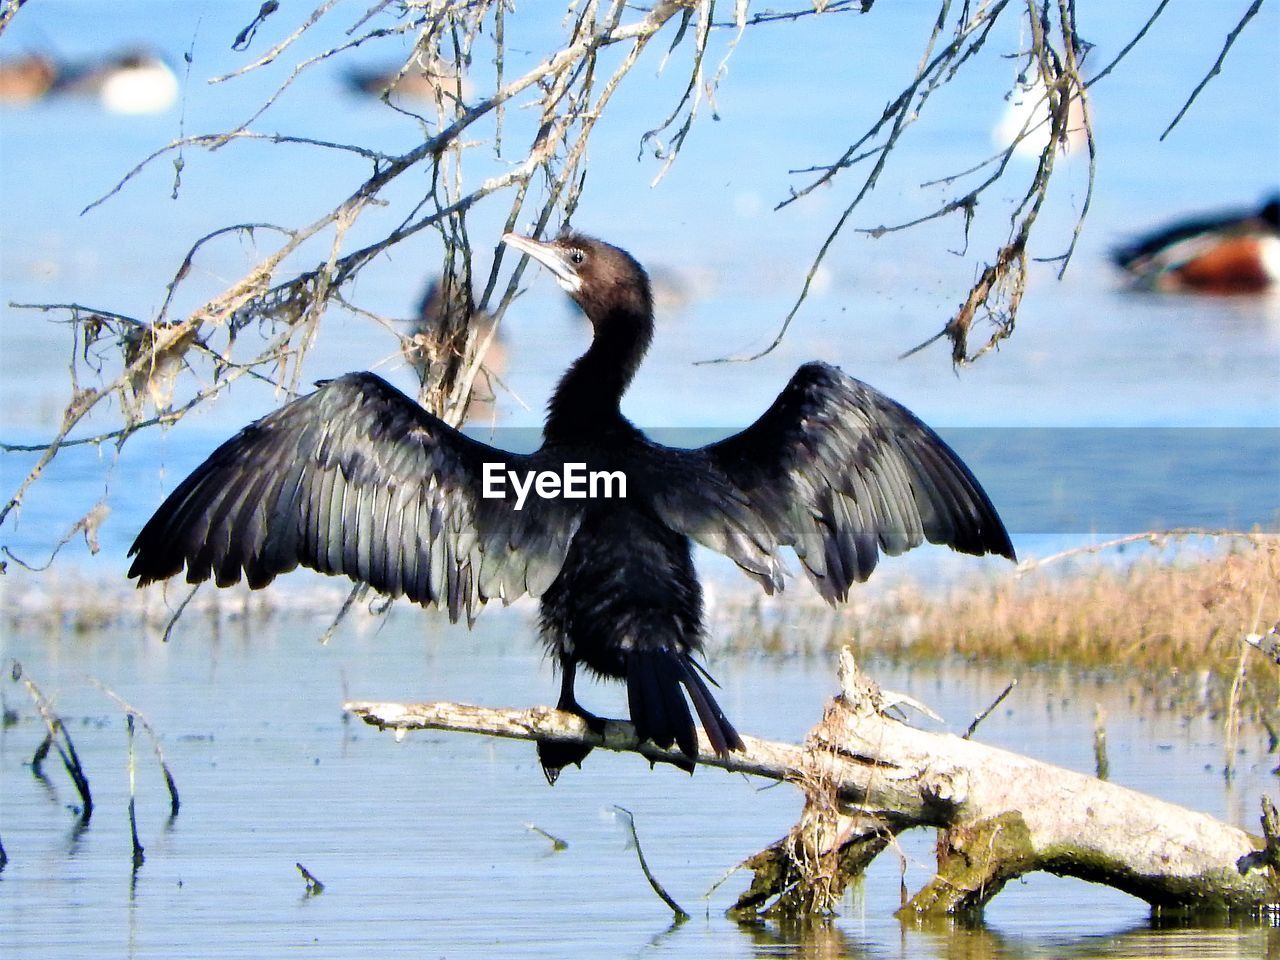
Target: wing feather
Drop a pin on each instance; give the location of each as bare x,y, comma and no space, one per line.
838,472
356,479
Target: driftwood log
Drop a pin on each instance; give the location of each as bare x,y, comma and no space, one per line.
867,776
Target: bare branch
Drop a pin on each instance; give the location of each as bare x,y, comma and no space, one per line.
134,713
8,10
897,116
677,910
1217,65
1133,42
283,45
1157,538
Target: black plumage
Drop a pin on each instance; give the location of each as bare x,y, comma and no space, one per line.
357,479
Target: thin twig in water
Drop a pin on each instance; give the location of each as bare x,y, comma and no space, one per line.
138,856
1234,716
556,843
314,886
173,621
132,713
680,915
973,727
57,737
1101,765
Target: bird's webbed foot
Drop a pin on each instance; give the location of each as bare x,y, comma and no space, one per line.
555,755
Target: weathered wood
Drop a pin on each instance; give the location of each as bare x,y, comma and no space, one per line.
867,776
761,758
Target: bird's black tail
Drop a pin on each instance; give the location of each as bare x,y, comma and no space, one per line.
660,712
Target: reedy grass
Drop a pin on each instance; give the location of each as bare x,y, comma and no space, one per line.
1171,624
1173,620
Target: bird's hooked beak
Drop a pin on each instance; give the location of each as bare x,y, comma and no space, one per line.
552,256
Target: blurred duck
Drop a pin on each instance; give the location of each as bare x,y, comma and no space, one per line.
24,79
1236,252
425,341
1025,123
134,82
418,83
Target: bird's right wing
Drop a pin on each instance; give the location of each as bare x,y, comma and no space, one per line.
838,472
357,479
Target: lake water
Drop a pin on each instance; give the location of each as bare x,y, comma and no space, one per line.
422,844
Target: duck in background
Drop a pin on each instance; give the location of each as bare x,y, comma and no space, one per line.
132,82
27,78
419,83
1025,123
1233,252
423,342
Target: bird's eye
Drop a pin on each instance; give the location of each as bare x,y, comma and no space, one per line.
577,256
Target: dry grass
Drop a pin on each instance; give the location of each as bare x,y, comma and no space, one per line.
1189,614
65,603
1172,623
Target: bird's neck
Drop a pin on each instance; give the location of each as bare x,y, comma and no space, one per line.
586,404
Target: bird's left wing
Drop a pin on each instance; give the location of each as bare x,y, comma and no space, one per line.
838,472
357,479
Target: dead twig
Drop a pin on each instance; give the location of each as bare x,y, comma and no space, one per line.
132,713
1157,538
1101,765
138,856
314,886
556,843
56,737
973,727
1217,65
8,10
676,909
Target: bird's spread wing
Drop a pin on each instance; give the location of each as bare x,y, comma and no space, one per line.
357,479
838,472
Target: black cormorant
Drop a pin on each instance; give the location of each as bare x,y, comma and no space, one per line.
357,479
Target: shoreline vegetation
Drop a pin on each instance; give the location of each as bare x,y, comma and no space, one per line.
1174,623
1174,619
1176,609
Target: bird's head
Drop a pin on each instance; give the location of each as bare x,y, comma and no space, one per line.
1271,212
603,279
